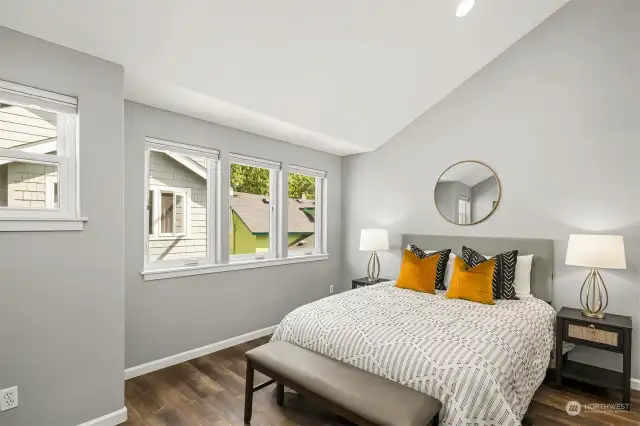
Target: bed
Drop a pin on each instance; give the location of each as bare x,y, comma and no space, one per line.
483,362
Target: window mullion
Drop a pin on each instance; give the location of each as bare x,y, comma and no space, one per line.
213,227
274,238
173,212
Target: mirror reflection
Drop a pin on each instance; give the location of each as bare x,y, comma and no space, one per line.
467,193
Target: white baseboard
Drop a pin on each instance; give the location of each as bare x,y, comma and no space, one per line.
635,384
159,364
111,419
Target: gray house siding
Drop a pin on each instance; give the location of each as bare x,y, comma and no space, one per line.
166,172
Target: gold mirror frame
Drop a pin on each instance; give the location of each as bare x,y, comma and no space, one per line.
494,207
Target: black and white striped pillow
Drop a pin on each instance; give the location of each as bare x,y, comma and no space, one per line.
504,274
442,263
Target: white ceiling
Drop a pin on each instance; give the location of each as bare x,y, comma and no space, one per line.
342,76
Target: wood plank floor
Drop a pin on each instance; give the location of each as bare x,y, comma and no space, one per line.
210,391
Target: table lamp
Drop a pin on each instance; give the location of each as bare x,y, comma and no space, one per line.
595,252
374,240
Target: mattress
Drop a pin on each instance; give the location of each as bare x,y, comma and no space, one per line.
483,362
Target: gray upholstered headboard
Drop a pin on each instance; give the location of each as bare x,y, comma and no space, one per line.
541,271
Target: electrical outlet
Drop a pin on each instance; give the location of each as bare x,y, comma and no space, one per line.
8,398
330,289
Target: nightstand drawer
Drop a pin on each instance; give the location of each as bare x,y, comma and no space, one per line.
593,335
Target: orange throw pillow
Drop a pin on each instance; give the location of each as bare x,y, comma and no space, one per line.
473,284
418,274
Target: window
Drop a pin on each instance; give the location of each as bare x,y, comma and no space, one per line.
183,227
173,209
253,201
464,211
305,216
38,163
179,217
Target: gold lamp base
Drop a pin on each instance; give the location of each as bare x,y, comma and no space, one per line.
598,315
373,268
591,295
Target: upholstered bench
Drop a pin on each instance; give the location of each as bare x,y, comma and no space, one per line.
355,394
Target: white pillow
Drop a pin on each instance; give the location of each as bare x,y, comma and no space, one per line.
449,272
522,279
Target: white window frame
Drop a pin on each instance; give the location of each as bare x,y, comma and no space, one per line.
212,156
320,246
275,170
186,193
464,216
66,215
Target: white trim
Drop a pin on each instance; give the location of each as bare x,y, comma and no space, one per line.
40,99
160,274
255,162
161,145
635,384
111,419
26,224
159,364
307,172
189,164
168,148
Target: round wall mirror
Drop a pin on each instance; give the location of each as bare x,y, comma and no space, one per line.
467,193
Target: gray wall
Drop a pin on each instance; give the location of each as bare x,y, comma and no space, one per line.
447,195
483,195
558,118
62,292
170,316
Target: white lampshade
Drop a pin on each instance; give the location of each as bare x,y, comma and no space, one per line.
374,240
596,251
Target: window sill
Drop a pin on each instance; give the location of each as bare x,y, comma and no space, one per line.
186,271
28,224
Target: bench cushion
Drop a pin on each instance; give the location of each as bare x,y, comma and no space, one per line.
371,397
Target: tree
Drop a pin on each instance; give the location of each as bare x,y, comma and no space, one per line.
300,185
252,180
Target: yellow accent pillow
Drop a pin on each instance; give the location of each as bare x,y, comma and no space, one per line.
418,274
473,284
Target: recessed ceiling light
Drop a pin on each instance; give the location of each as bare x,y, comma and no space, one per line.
464,7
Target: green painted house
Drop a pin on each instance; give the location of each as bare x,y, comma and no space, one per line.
249,231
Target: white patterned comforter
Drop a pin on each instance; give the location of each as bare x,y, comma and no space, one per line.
484,362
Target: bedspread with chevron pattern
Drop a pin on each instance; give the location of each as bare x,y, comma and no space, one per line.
484,362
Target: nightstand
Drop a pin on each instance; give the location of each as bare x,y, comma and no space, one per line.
612,333
361,282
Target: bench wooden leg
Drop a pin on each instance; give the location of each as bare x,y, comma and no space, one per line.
248,393
436,420
280,394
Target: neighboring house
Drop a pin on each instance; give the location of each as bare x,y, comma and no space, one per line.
250,223
177,213
177,207
22,184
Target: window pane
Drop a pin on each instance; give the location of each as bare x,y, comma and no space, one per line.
180,183
250,214
302,212
179,217
28,185
150,201
27,129
166,212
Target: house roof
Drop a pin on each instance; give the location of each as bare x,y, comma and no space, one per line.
253,210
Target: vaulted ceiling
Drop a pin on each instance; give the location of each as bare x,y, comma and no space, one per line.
341,76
